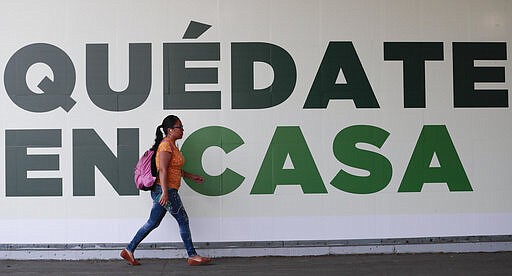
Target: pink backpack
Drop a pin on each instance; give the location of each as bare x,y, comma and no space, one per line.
143,177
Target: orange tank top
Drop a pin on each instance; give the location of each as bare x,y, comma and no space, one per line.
175,164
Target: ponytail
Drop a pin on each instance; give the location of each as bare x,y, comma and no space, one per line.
159,136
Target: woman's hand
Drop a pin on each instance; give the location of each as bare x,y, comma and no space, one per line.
164,198
197,178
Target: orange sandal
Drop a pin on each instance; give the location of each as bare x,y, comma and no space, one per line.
128,256
199,261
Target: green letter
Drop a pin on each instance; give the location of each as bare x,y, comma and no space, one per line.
56,91
90,152
346,151
414,55
325,88
434,139
288,141
18,162
177,75
193,149
466,74
243,57
97,78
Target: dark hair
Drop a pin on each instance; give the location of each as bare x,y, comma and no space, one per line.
161,130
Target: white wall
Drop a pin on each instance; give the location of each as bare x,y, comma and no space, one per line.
481,136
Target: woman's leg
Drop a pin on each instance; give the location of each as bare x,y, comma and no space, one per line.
179,213
155,217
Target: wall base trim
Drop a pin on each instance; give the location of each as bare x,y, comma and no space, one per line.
106,251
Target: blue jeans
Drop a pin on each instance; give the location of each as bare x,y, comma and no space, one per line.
157,214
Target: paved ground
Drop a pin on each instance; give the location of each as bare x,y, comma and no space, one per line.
401,264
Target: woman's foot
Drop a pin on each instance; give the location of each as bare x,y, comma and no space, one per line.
198,260
128,256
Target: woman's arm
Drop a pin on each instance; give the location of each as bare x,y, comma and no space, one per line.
195,178
164,159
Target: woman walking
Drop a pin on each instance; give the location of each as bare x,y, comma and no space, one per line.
169,163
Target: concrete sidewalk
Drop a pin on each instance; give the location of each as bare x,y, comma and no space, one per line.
499,263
